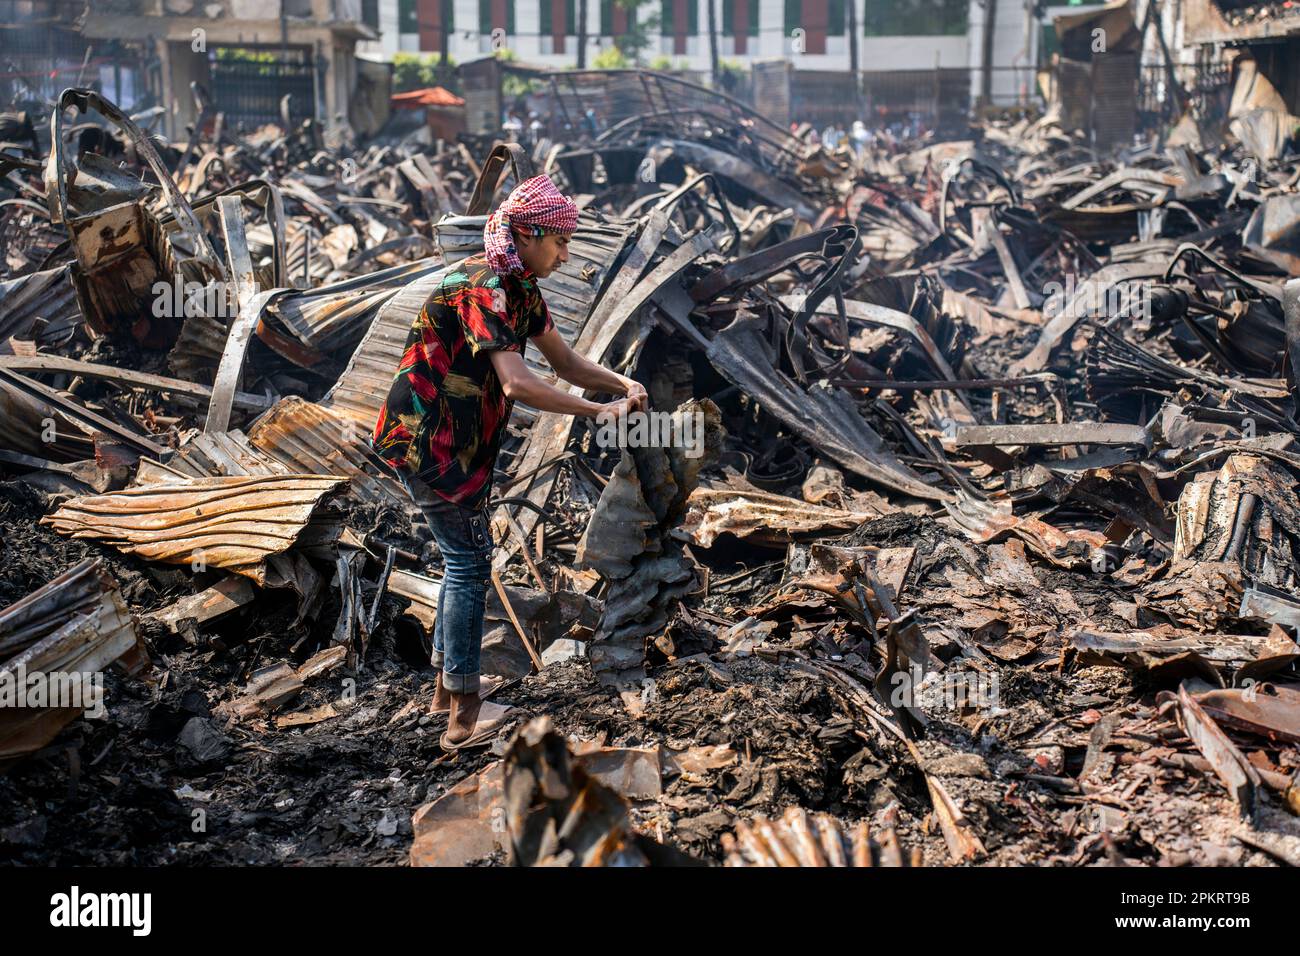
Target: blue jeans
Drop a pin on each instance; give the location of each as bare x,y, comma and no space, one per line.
464,537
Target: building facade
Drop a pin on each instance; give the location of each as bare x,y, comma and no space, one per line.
892,35
248,55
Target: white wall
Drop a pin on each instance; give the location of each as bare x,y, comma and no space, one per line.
1011,48
875,53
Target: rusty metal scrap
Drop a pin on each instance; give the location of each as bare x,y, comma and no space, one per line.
766,517
1237,773
546,803
234,523
986,419
627,542
799,838
309,439
1155,650
558,814
72,627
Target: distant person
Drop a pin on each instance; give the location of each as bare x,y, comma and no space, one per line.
513,127
860,139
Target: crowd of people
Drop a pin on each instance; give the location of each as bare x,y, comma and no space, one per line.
887,135
526,126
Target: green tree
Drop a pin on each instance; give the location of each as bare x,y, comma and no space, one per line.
512,84
611,58
640,32
415,71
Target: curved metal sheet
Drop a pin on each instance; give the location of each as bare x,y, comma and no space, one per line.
234,523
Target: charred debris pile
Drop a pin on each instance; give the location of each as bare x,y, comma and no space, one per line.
986,550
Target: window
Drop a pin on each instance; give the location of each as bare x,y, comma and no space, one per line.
835,18
607,18
408,16
570,18
692,26
729,17
370,13
884,18
485,24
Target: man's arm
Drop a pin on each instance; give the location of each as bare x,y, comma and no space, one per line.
577,370
521,385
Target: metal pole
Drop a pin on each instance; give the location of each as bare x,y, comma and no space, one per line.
851,10
986,78
582,33
713,45
444,42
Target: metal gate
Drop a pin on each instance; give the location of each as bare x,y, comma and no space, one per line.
248,84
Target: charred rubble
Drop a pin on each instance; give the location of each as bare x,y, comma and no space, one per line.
990,555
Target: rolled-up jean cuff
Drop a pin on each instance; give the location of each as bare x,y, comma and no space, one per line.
460,683
438,660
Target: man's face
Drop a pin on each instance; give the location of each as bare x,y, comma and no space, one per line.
543,254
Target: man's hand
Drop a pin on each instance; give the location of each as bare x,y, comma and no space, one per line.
637,399
577,370
618,409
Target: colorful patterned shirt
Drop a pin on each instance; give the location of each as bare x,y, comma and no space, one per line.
446,412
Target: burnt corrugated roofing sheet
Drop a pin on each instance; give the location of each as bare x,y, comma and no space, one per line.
234,523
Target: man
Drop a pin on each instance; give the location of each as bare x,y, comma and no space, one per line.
446,413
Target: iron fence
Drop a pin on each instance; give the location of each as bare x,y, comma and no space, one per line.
1205,90
249,87
937,98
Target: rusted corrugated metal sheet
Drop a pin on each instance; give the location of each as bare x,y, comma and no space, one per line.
296,437
86,591
308,438
364,384
234,523
335,316
44,295
26,421
76,624
227,453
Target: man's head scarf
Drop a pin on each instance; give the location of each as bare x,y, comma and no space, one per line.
534,206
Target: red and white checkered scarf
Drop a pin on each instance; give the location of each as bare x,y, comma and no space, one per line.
535,205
